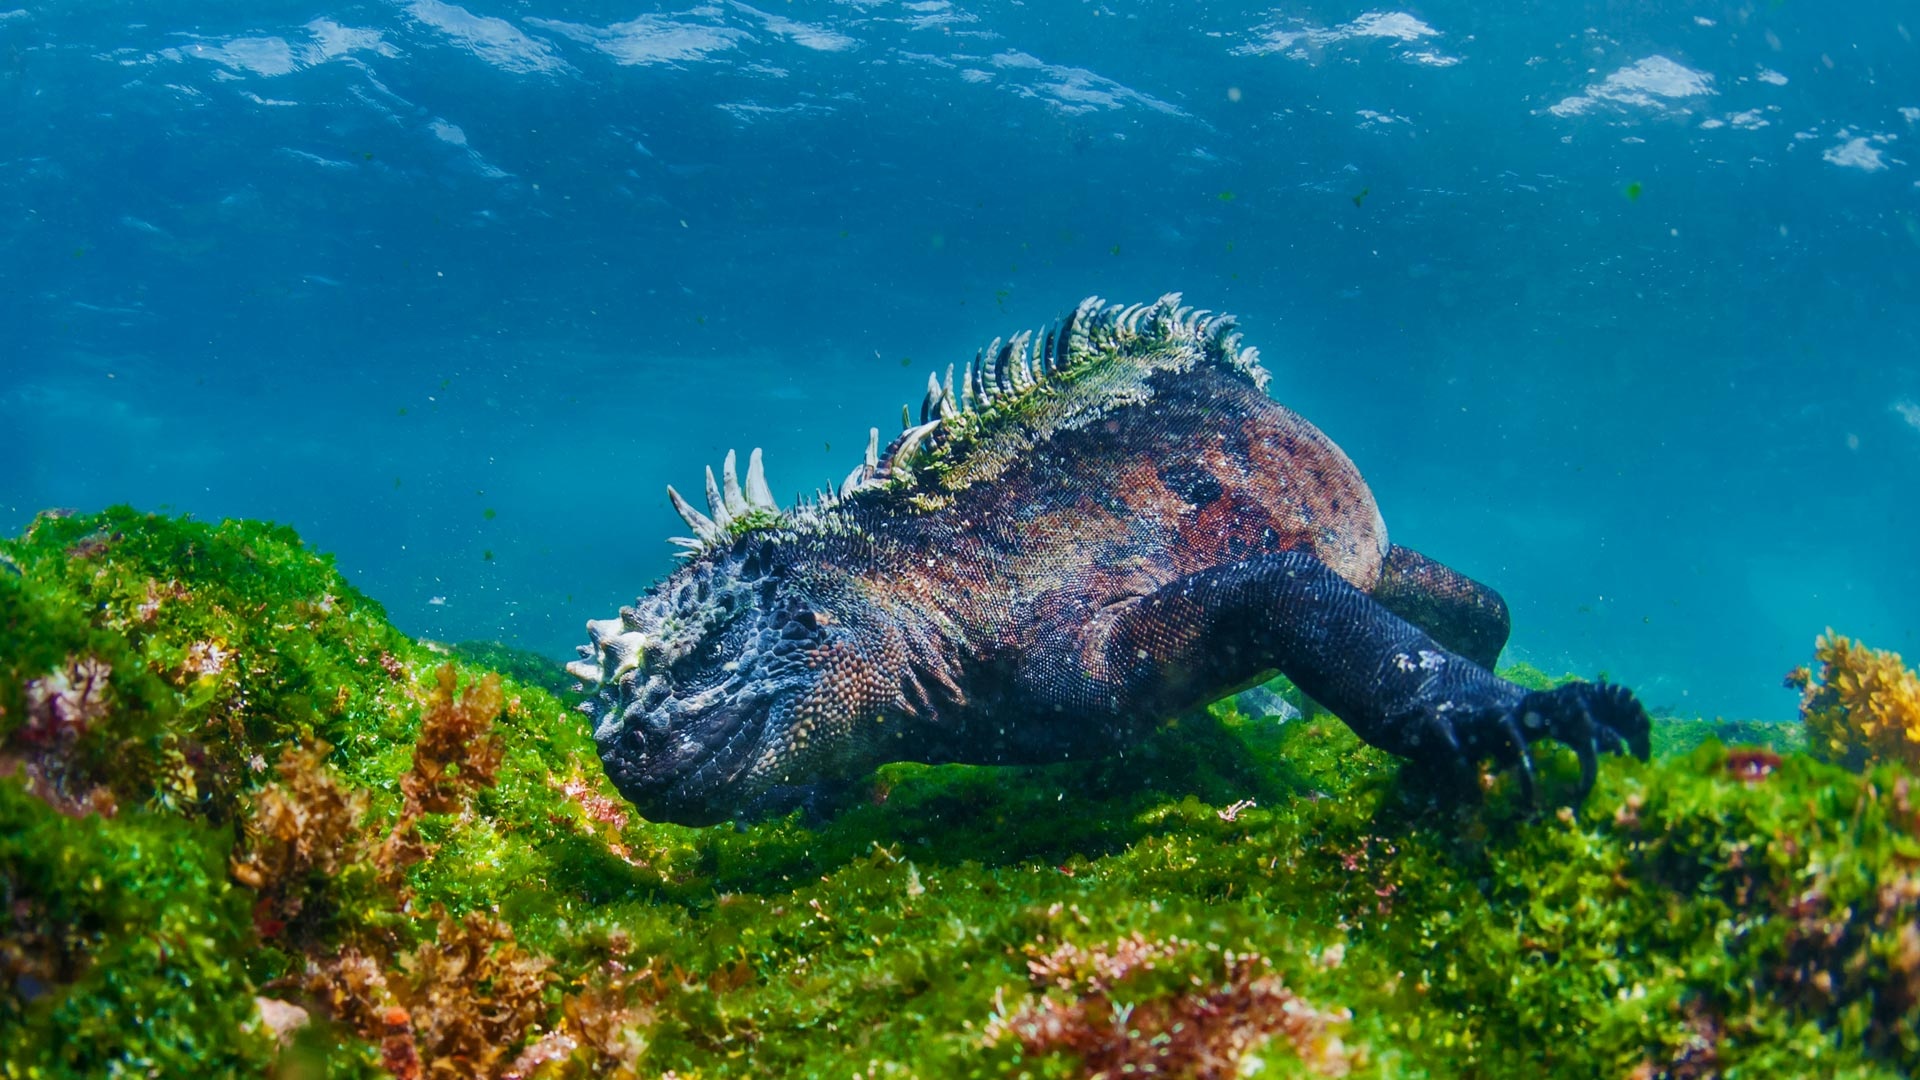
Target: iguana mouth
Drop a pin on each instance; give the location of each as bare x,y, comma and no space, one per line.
691,773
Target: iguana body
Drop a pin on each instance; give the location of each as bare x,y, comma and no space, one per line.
1104,526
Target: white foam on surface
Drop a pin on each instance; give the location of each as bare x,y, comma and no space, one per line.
1074,90
315,159
1857,152
1299,41
1653,83
651,39
749,112
494,40
1376,118
806,35
331,40
267,56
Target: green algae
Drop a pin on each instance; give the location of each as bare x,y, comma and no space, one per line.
1714,911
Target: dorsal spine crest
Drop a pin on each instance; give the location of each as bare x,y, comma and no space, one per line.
1003,377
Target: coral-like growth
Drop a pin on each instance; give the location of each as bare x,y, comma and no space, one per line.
305,826
1863,706
1203,1030
456,1005
605,1020
63,706
473,995
455,756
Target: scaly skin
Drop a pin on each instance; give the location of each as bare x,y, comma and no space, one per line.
1112,527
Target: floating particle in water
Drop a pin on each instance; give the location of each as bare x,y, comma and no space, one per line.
1908,410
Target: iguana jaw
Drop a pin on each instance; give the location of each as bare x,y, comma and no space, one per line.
694,690
692,760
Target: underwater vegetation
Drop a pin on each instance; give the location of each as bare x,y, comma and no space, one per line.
1862,707
247,828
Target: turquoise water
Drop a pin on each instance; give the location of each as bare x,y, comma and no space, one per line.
1615,305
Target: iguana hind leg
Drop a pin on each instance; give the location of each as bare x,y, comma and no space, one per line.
1391,682
1467,617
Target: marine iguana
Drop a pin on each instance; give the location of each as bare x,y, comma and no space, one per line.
1108,523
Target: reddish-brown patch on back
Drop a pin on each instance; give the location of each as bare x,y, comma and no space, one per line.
1314,493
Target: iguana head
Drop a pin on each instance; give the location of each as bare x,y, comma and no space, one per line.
730,689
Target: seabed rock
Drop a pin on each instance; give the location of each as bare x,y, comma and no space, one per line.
247,827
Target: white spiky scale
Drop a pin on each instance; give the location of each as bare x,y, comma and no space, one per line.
759,495
730,488
1017,357
907,449
717,503
703,526
612,652
852,483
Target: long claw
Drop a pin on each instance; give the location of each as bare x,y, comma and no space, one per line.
1519,742
1590,718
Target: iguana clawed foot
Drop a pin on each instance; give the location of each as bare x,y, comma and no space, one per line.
1591,718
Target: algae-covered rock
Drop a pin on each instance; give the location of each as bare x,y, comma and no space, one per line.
247,826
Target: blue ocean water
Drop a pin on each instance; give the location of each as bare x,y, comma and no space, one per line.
1616,305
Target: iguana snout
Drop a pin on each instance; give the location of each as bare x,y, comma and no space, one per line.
697,684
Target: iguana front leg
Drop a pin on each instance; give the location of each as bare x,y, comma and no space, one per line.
1396,687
